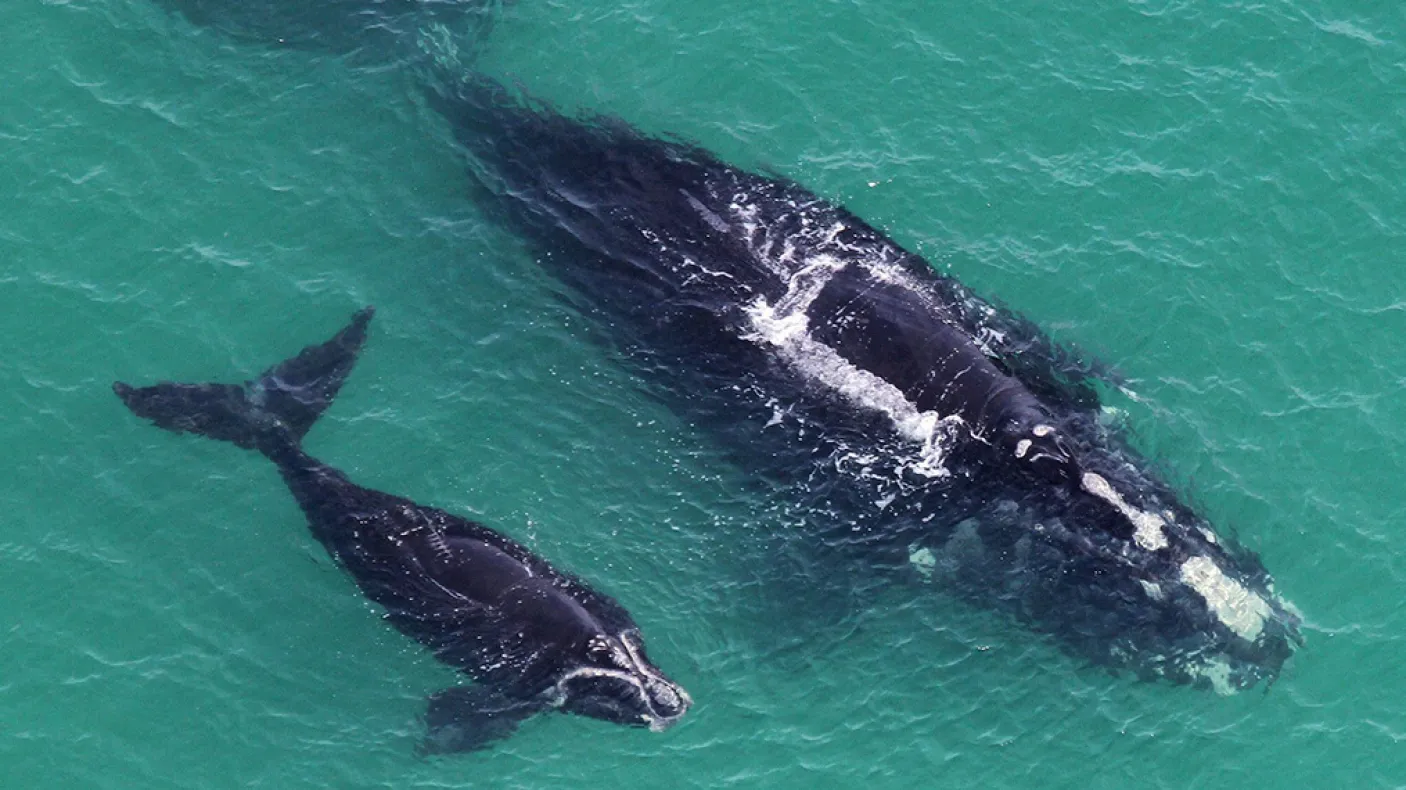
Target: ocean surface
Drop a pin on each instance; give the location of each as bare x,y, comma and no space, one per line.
1211,198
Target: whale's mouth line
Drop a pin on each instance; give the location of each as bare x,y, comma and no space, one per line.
650,688
656,722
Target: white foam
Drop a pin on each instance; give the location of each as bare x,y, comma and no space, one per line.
1241,610
1148,527
817,361
785,327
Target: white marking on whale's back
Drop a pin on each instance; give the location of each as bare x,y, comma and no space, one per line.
785,327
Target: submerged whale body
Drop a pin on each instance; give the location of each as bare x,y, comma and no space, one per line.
532,637
372,30
933,428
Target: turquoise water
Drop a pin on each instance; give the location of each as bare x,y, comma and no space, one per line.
1207,198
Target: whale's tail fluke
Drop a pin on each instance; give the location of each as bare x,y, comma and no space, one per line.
272,411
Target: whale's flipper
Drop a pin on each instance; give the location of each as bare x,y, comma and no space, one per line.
275,409
468,718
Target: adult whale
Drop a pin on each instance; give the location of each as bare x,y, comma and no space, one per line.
922,421
532,637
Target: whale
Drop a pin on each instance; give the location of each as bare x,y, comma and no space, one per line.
531,637
921,425
911,422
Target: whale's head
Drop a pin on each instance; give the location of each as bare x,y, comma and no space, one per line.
615,681
1196,607
1105,556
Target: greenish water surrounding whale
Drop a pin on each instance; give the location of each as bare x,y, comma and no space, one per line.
1208,198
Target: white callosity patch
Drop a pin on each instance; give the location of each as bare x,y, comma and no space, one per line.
1241,610
659,686
1022,447
1147,527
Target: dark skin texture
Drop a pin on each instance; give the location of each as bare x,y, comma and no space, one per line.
733,291
661,217
468,593
532,636
915,346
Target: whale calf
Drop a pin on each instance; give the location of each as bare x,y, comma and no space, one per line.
532,637
930,427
